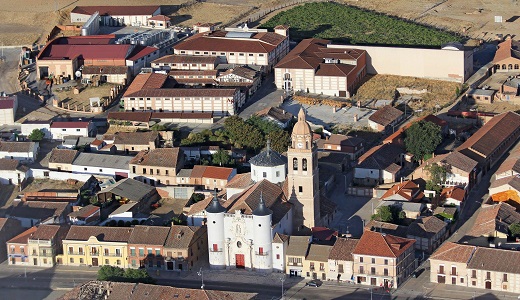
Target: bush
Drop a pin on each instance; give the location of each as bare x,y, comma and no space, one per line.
36,135
109,273
135,222
120,223
196,197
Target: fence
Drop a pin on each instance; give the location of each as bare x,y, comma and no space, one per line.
56,175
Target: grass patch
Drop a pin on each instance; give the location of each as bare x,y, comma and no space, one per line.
347,24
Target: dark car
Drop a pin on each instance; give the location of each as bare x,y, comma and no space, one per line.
314,283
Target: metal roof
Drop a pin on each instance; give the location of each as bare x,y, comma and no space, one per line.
102,160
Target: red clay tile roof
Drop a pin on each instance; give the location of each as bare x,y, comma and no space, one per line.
506,50
46,232
17,146
217,172
23,237
97,142
143,117
493,218
426,227
135,138
7,164
198,171
102,233
140,51
181,237
490,136
276,113
84,212
184,115
124,10
454,252
160,157
146,81
159,18
263,42
407,189
176,73
453,192
380,157
240,181
388,228
383,245
6,103
149,235
280,238
386,115
69,124
497,260
342,249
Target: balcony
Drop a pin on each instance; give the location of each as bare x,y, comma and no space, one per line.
441,272
112,254
294,264
312,268
454,273
46,254
261,253
216,250
75,253
94,253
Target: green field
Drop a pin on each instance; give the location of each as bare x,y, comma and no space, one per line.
347,24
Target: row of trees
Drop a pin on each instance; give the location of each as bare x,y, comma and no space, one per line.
109,273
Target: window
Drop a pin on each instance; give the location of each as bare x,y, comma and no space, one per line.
473,273
106,251
373,260
81,261
300,189
132,251
312,266
118,262
304,164
385,272
71,250
64,130
133,263
166,172
386,261
295,164
462,280
151,171
488,275
231,54
264,174
361,259
505,278
322,266
241,54
100,170
141,251
340,268
71,260
261,251
453,270
250,54
261,55
107,262
78,130
473,283
277,173
150,251
215,247
157,252
277,256
118,252
373,270
84,169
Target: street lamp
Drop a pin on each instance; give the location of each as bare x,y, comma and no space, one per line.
282,279
201,274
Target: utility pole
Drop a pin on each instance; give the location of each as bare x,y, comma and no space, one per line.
282,279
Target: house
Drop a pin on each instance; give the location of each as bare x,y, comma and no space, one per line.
188,78
159,22
8,107
196,213
238,184
116,15
453,196
277,115
137,291
385,119
69,142
412,210
17,248
510,166
62,159
428,233
247,79
476,267
96,246
21,151
111,74
9,228
136,141
297,250
330,163
44,245
383,260
145,247
86,215
239,46
506,57
64,56
448,265
280,244
127,212
129,190
31,213
315,265
509,90
481,96
186,247
381,164
387,228
491,227
186,62
461,170
101,164
398,136
59,130
215,177
353,146
157,166
404,191
492,140
147,93
12,172
505,189
314,67
341,262
28,126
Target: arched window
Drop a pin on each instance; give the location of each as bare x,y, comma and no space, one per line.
304,164
295,164
504,67
287,76
516,66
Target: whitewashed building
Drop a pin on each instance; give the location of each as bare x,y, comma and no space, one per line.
21,151
116,15
11,172
101,164
269,165
27,128
8,106
59,130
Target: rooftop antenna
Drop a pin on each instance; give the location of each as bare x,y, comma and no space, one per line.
268,146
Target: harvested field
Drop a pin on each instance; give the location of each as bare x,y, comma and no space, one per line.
208,12
384,87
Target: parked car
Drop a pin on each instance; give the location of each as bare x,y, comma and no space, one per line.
314,283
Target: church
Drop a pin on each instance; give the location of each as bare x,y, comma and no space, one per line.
280,197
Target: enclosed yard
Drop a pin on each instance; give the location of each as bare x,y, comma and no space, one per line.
348,24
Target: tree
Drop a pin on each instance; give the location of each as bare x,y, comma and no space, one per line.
110,273
221,158
437,177
36,135
196,197
383,214
514,229
280,140
138,276
422,138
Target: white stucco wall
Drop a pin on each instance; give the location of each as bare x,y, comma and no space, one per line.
257,173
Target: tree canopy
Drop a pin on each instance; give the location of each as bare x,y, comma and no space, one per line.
422,138
110,273
514,229
437,177
221,158
391,214
36,135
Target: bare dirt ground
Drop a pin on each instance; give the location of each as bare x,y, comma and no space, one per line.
82,99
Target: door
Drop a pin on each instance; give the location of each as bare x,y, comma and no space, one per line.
343,93
94,262
240,261
35,261
441,279
169,265
453,280
488,285
373,281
